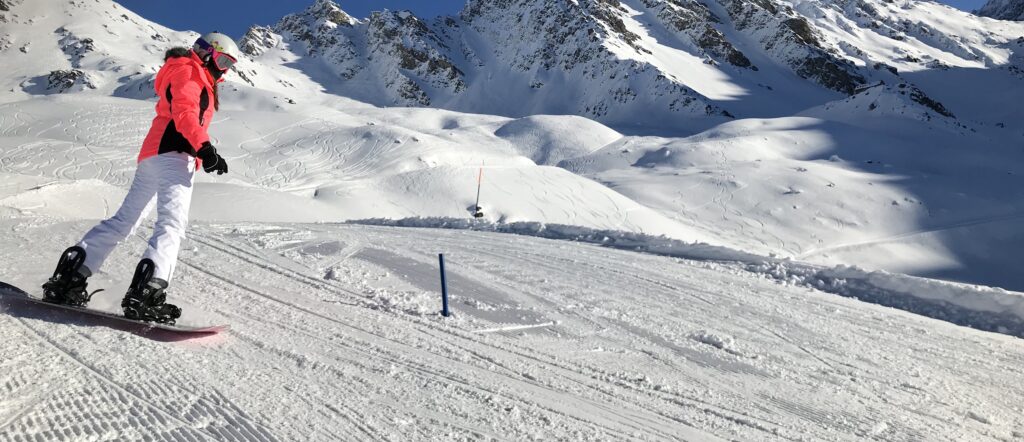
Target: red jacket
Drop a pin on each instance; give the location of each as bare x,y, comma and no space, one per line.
184,110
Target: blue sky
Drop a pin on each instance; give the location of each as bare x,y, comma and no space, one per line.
966,5
235,17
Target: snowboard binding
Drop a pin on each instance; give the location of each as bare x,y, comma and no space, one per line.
68,284
146,300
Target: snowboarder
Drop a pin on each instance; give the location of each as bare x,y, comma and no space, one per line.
177,144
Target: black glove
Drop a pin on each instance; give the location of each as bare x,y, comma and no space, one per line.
211,161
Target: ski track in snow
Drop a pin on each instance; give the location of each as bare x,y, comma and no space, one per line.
331,340
971,222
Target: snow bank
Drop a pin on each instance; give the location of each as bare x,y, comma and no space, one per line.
549,139
984,308
658,245
980,307
902,100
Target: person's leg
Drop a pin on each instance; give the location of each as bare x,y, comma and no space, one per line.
173,198
101,240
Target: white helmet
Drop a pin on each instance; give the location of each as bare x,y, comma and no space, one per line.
220,47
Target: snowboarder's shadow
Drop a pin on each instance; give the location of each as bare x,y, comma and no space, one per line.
25,309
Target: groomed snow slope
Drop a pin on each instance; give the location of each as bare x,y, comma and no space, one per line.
335,337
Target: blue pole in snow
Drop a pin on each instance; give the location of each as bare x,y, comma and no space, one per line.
444,288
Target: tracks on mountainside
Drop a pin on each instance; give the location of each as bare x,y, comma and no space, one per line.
971,222
299,165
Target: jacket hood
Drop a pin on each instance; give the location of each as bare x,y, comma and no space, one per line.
176,52
183,56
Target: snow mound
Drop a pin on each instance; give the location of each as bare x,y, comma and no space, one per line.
510,194
980,307
88,198
885,101
719,341
549,139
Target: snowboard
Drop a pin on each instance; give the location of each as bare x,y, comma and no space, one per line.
10,293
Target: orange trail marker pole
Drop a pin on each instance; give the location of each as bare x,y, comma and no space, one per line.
479,184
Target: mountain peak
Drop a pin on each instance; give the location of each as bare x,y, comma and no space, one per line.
330,11
316,26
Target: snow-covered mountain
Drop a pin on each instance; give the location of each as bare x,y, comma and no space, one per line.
684,65
1003,9
76,46
680,63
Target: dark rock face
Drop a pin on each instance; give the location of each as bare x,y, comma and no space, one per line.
828,72
551,40
793,41
74,47
694,21
919,97
63,80
257,40
316,26
714,42
802,30
403,38
396,51
552,33
902,100
1003,9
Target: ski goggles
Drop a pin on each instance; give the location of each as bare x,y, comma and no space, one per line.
221,60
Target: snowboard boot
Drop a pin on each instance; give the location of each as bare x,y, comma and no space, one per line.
67,286
146,300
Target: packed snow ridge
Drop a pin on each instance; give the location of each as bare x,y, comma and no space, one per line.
984,308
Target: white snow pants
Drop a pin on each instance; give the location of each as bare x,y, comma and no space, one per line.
165,181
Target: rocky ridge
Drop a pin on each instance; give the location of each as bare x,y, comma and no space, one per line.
686,64
395,52
1003,9
594,57
550,41
790,39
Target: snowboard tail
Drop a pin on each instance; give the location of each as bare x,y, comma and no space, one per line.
10,293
